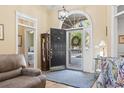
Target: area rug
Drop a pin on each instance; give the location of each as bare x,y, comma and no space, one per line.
72,78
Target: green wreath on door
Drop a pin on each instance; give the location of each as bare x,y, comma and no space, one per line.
76,41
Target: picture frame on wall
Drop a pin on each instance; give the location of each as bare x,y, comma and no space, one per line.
19,40
1,32
121,39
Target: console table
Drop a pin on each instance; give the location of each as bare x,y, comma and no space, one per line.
97,66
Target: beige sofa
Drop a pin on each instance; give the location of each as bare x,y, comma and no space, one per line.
15,74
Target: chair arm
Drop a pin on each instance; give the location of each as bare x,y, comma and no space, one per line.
100,81
31,71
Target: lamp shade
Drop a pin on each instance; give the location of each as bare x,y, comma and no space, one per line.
102,43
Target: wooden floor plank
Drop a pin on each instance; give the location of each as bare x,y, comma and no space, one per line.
51,84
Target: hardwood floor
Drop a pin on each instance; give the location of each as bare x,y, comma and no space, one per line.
50,84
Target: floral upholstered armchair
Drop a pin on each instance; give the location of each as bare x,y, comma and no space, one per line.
112,73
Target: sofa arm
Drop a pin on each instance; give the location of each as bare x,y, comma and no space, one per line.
100,81
31,71
43,80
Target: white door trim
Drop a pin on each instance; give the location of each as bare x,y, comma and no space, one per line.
19,14
114,32
91,68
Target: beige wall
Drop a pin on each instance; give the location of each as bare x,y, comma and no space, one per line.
46,20
109,18
98,16
53,15
8,18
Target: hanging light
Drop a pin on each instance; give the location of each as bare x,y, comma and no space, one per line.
62,14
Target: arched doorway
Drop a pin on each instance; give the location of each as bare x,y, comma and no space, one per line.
79,42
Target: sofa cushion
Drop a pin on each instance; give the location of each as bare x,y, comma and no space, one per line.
31,71
22,82
11,62
120,78
10,74
114,73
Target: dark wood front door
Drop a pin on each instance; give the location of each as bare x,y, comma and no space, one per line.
58,47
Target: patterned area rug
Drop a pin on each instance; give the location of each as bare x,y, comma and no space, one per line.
72,78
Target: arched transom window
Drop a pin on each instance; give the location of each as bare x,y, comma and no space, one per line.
75,20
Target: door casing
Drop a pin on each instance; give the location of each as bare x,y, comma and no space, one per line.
18,15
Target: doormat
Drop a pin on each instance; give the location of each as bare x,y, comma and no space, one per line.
72,78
